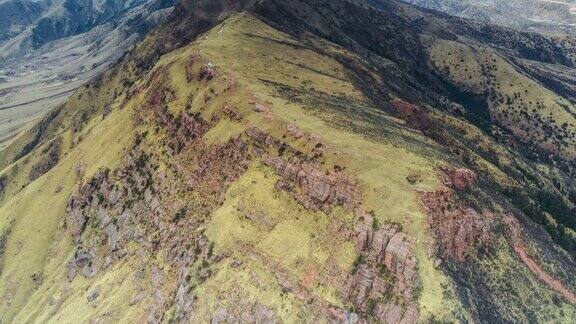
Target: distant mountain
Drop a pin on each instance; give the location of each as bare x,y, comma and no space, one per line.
59,46
547,16
17,15
65,18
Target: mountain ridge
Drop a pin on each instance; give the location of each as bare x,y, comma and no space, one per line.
338,174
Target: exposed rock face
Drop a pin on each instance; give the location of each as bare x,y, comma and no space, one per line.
219,166
232,113
115,209
264,109
456,227
416,117
135,206
207,72
81,261
385,271
459,179
294,131
382,285
315,188
403,108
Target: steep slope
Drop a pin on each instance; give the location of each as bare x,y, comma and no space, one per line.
298,185
532,15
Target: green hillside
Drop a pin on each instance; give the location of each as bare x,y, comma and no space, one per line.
258,162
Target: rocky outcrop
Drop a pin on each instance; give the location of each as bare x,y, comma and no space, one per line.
457,178
456,227
182,129
231,112
383,284
207,72
218,166
313,187
141,210
294,131
124,212
264,109
415,117
82,262
106,207
403,108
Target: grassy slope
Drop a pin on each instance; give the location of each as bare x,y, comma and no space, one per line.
516,101
34,217
390,196
382,163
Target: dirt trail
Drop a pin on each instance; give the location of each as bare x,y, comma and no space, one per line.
514,230
535,268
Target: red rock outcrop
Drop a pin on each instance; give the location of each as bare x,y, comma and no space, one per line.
294,131
403,108
165,211
231,112
314,188
386,267
456,227
219,166
416,117
457,178
264,109
207,72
